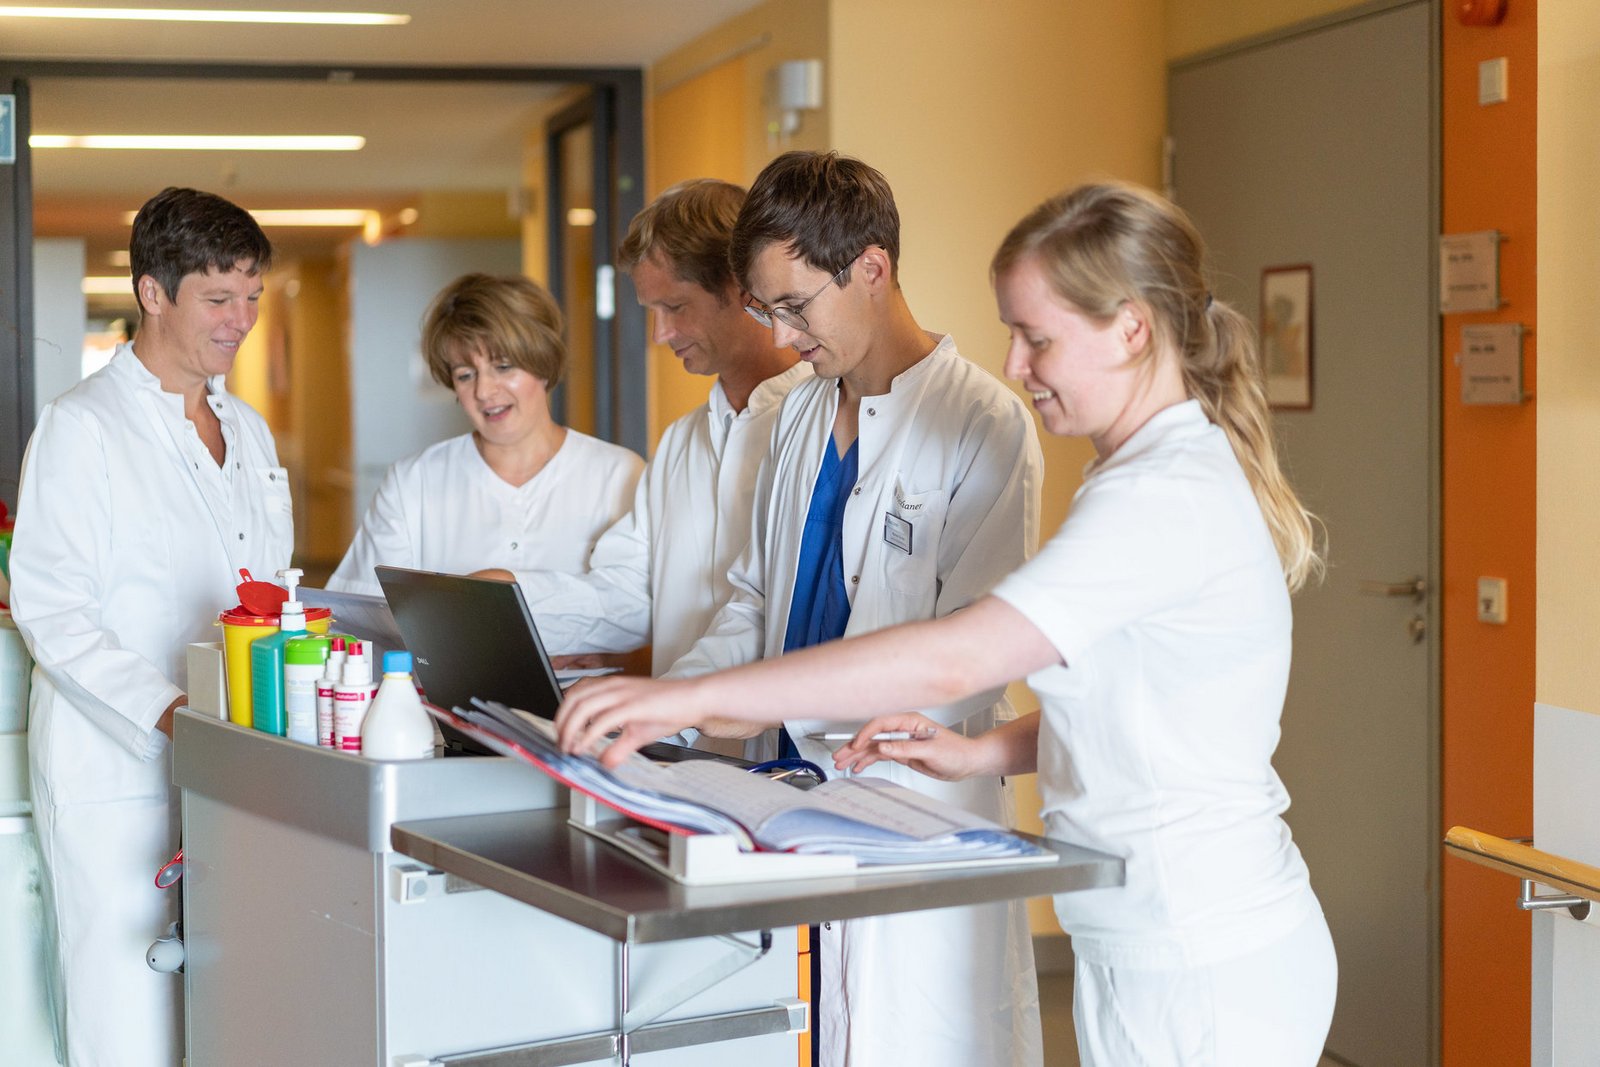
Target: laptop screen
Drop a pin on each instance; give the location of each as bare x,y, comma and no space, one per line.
471,637
474,637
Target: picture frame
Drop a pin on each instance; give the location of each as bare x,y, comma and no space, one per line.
1287,335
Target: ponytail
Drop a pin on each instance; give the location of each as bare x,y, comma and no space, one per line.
1225,376
1102,245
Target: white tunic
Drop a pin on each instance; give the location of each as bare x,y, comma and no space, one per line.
1165,597
129,541
659,574
952,454
444,509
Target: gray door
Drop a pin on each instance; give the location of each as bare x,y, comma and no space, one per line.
1317,147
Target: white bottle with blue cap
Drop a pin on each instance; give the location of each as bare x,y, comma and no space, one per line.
396,726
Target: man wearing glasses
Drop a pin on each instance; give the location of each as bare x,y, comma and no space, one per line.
901,483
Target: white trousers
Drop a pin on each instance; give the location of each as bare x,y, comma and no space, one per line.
1269,1008
100,862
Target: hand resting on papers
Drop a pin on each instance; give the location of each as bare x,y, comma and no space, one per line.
945,754
640,710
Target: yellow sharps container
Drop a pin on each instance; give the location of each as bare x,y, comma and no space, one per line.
239,628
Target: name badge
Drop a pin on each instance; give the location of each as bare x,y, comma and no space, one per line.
897,532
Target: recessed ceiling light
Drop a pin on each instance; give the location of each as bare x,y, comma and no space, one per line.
108,285
353,216
200,143
333,216
150,14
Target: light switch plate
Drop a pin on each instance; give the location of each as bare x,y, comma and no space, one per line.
1492,81
1492,600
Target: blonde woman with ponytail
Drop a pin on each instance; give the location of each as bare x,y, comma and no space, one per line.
1155,629
520,492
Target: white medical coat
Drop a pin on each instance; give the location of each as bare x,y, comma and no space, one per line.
444,509
953,454
660,573
129,541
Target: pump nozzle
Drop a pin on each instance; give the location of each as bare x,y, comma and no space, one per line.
291,579
293,617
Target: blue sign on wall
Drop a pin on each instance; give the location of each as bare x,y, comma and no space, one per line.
8,128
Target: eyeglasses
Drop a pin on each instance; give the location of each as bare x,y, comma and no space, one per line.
790,316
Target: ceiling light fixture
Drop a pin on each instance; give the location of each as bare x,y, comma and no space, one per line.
353,216
201,143
336,216
108,285
150,14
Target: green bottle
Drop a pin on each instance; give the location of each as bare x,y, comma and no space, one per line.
267,660
304,658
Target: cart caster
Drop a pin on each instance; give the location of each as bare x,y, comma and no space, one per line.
167,955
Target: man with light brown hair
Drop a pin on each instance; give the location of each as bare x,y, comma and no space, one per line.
660,573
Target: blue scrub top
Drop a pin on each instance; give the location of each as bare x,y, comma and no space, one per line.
820,608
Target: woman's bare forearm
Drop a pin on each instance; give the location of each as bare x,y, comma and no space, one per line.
916,665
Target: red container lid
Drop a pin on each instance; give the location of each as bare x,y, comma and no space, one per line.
242,616
260,598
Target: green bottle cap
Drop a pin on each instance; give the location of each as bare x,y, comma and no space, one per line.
312,649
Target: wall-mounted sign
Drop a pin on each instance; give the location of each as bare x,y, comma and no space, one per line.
1469,271
1491,364
8,128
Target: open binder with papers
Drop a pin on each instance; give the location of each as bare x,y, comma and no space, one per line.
703,821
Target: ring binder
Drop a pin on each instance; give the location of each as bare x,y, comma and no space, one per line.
699,859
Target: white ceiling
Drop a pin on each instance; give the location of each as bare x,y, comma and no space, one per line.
501,32
455,136
452,135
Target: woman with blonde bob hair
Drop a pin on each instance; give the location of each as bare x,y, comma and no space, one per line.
520,492
1155,629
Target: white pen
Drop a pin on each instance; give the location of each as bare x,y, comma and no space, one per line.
922,734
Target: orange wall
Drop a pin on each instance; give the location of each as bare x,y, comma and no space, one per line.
1489,531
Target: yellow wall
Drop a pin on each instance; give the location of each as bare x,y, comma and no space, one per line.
294,369
321,468
975,113
1199,25
761,38
700,147
248,378
707,117
463,213
1569,373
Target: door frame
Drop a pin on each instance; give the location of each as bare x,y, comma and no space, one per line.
621,89
1435,434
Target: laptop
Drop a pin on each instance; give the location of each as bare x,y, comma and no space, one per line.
475,637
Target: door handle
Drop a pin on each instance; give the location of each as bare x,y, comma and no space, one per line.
1415,588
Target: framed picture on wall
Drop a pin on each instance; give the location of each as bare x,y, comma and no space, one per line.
1286,336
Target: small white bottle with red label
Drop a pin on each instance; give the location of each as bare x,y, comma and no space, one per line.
332,674
351,699
396,726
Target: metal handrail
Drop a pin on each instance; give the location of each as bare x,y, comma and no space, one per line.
1532,866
